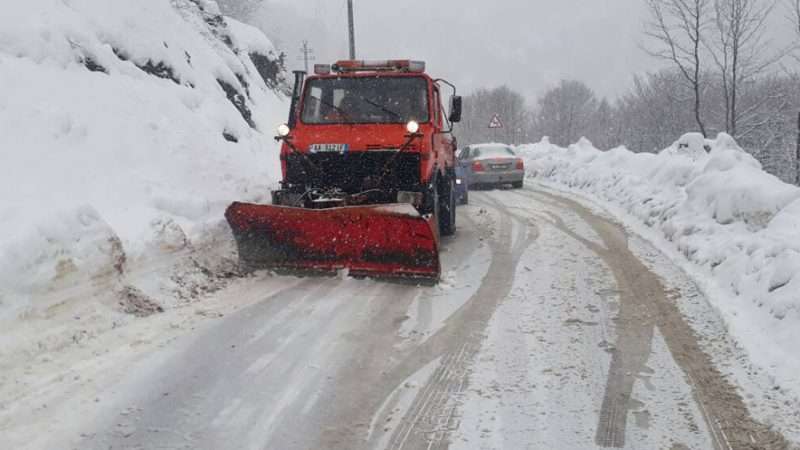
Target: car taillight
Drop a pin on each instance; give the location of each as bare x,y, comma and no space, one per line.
477,167
520,165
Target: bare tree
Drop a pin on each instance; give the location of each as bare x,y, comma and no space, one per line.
796,15
656,110
603,129
740,49
481,106
239,9
678,29
797,154
566,112
795,5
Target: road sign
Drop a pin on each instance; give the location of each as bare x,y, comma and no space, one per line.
496,122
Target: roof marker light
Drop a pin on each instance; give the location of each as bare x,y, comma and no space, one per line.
416,66
322,69
392,65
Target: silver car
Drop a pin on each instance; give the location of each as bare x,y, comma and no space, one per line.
491,165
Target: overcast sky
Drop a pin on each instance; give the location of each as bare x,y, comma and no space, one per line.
527,44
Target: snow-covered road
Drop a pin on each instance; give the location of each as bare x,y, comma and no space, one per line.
554,328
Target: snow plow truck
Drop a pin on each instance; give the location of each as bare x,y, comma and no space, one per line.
368,165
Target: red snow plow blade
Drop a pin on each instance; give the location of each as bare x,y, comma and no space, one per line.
386,241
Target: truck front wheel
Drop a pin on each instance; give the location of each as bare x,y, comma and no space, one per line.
447,206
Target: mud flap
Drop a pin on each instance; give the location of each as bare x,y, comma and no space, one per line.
381,241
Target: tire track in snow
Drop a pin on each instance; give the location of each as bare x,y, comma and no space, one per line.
433,414
644,305
268,361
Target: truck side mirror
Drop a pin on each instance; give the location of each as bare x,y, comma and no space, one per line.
455,109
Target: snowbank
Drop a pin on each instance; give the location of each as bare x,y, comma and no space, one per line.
738,226
125,130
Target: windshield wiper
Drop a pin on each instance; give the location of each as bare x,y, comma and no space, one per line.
382,107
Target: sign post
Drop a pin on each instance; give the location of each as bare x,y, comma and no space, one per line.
495,124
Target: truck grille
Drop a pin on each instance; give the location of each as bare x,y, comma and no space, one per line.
355,172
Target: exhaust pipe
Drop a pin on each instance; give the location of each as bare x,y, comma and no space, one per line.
299,79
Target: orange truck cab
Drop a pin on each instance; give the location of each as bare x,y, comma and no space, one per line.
368,159
371,132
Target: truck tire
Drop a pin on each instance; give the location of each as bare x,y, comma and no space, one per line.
447,207
431,206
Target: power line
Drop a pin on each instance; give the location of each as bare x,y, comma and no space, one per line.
307,54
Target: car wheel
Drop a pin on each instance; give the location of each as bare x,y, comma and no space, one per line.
447,205
464,199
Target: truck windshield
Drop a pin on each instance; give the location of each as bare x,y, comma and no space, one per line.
365,100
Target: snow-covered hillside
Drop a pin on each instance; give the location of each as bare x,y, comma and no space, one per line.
711,205
126,127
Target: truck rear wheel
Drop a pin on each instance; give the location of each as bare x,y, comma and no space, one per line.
447,207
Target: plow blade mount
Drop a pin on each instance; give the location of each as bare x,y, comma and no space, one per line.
392,241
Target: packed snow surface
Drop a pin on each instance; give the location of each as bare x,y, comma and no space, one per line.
736,227
117,129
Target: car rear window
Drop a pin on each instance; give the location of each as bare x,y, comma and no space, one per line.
493,152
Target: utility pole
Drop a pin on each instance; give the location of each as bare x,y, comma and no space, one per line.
307,54
351,29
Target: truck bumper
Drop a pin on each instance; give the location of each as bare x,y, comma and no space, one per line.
495,178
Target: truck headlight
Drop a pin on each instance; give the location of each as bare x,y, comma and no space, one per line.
412,126
284,130
412,198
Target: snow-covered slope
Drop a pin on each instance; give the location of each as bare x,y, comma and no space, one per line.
736,226
126,127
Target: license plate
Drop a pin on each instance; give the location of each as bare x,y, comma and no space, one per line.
500,166
328,148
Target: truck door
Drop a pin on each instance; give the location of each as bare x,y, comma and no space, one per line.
443,139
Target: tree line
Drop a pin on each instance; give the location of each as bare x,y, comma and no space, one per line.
723,74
